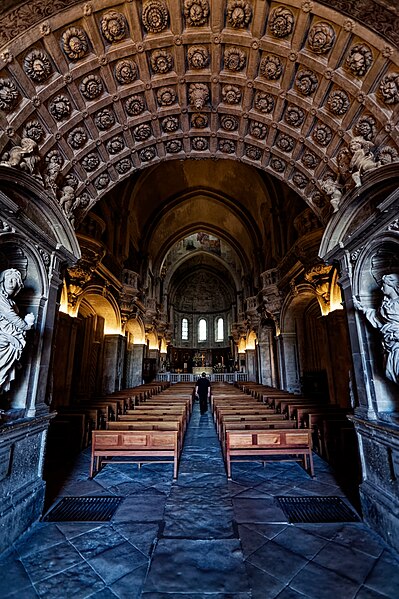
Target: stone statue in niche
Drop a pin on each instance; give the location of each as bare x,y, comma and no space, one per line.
362,159
386,320
12,327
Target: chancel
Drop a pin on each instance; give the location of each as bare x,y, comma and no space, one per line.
193,187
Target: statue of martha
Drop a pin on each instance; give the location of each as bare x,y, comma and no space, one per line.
386,320
12,327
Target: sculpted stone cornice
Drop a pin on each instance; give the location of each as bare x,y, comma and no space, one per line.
97,116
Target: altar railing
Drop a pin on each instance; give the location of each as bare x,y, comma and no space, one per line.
219,377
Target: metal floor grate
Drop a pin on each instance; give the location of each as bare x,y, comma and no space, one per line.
83,509
316,509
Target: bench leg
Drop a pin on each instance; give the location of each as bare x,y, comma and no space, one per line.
311,464
228,465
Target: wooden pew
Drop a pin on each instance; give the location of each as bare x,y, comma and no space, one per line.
260,443
143,446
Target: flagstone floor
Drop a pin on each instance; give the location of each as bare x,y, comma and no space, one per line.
200,537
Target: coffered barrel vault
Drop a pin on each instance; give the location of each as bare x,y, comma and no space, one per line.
92,93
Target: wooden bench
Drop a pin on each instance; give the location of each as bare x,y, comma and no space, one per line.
260,443
142,445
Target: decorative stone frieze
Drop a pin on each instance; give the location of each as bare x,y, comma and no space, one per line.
60,107
239,14
306,82
147,154
264,102
322,134
258,130
155,16
198,57
170,124
75,43
126,71
9,95
271,67
227,146
281,22
294,116
389,88
91,87
229,122
142,132
366,127
161,62
115,144
174,146
166,96
285,142
338,102
91,162
200,144
37,66
104,119
196,12
135,105
198,94
234,59
231,94
123,166
321,38
77,138
33,130
359,60
113,26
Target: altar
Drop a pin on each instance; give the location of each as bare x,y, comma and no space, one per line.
198,370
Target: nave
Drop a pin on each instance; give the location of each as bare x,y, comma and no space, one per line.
200,536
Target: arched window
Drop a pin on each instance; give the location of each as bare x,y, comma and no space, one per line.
184,329
202,329
219,336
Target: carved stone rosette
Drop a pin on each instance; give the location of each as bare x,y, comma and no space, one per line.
155,16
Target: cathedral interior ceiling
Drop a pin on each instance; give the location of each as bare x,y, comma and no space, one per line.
108,88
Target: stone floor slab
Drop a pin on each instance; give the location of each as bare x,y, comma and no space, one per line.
116,562
277,561
72,583
319,583
197,566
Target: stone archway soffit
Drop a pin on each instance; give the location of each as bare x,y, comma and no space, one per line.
109,90
295,305
223,264
230,204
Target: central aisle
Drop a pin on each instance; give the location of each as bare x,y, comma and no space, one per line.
199,550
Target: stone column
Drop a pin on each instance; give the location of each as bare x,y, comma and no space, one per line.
250,359
114,350
288,362
267,369
136,364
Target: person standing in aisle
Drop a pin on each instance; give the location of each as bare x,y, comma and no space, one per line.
203,390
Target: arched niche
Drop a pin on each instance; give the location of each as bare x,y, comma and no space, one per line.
135,331
106,308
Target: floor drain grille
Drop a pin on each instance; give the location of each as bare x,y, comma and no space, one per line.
316,509
83,509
